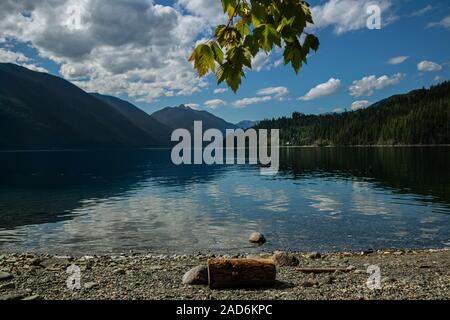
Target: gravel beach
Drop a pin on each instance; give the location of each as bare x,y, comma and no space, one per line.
405,274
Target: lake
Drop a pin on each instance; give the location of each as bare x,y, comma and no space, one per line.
324,199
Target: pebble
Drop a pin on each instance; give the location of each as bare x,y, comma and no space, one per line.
154,268
5,276
389,280
358,271
34,261
8,286
309,284
55,262
13,296
257,237
90,285
119,271
283,259
314,255
327,280
196,276
31,298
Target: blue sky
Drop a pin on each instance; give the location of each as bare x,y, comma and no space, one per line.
351,68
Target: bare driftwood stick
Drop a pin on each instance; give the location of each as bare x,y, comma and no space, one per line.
323,270
238,273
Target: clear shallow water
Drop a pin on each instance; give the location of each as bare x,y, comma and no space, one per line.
322,199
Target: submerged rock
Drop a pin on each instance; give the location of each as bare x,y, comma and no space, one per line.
257,237
283,259
196,276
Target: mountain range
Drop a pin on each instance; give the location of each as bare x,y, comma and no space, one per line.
246,124
41,111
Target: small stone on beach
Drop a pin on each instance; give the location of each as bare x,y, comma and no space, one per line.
314,255
5,276
309,284
55,262
7,286
32,298
14,296
196,276
327,280
90,285
119,271
283,259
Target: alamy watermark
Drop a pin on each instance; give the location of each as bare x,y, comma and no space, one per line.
74,14
374,280
374,19
229,147
74,280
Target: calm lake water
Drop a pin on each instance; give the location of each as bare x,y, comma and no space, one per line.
322,199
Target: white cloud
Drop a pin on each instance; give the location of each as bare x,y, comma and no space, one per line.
279,93
367,85
19,58
220,90
398,60
137,47
214,104
348,15
261,62
358,105
338,110
444,23
34,67
210,11
428,66
422,11
265,94
7,56
250,101
278,62
323,90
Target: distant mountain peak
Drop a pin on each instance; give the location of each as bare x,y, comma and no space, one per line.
184,117
246,124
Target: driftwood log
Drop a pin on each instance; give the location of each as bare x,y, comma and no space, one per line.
240,273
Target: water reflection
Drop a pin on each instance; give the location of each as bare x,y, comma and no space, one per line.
323,199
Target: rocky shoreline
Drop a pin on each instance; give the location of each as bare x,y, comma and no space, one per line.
405,274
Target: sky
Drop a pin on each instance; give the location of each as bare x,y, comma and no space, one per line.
138,50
